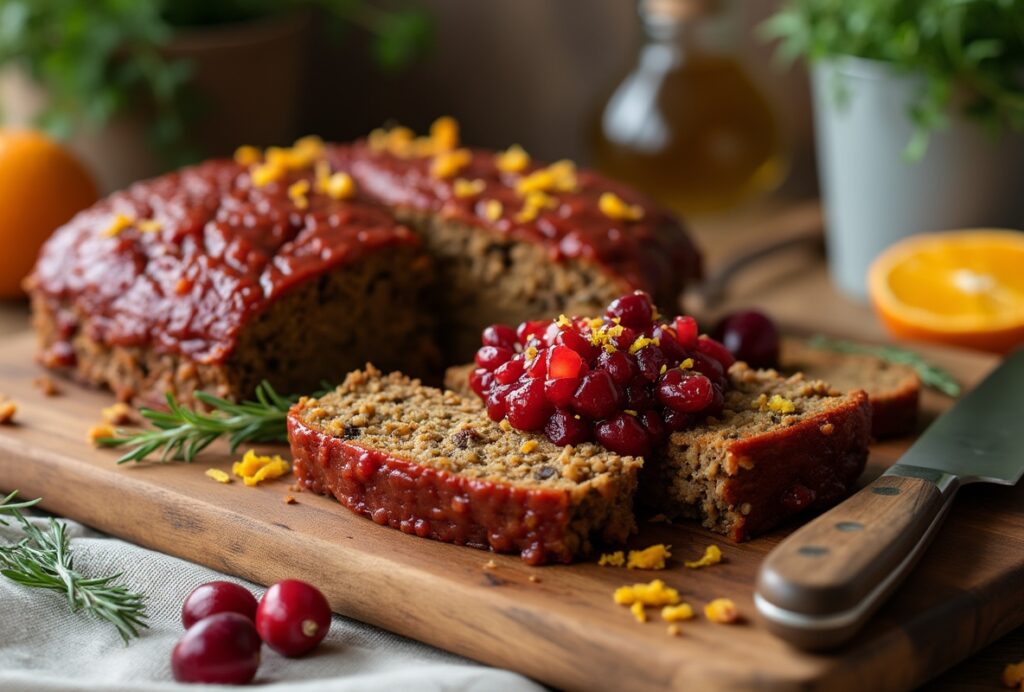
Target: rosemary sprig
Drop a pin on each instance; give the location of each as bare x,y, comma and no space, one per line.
931,375
181,433
43,560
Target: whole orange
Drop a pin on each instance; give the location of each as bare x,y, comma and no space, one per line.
41,186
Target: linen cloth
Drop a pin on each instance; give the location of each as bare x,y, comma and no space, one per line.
44,647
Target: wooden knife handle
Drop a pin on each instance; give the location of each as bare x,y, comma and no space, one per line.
825,580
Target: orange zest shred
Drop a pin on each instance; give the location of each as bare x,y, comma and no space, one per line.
677,613
493,209
100,432
297,192
117,224
655,593
253,468
649,558
149,225
512,160
712,556
616,559
340,186
721,610
447,164
558,177
444,133
218,475
248,155
533,204
638,611
528,446
468,188
613,206
780,404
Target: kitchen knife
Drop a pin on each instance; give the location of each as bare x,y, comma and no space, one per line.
823,582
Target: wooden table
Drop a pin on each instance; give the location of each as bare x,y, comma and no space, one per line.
794,288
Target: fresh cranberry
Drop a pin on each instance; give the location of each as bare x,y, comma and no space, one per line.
685,393
624,340
577,342
490,357
668,344
634,310
709,367
654,425
527,406
717,404
217,597
293,617
480,381
619,364
650,359
751,336
560,392
563,362
676,420
686,331
531,328
638,395
510,371
597,395
623,434
496,401
221,649
716,350
564,428
537,368
500,335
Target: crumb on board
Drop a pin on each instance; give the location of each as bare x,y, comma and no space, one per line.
99,432
534,578
677,613
674,630
712,556
118,414
46,385
721,610
290,500
7,411
218,475
254,468
616,559
652,557
490,564
655,593
1013,675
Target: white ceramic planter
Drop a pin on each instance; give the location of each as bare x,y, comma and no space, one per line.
874,196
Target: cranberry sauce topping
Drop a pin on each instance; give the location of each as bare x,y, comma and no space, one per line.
625,380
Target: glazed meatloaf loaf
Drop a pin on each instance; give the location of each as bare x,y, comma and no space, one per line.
431,463
299,264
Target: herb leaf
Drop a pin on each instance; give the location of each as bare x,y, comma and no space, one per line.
931,375
43,560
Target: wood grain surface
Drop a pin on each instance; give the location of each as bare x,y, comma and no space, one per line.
564,628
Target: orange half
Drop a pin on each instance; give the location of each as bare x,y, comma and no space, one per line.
964,288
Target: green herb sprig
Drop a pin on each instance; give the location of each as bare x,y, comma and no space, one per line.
180,433
931,375
43,560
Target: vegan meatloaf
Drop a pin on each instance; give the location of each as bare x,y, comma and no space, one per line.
298,264
431,463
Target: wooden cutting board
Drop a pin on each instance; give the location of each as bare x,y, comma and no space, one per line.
562,629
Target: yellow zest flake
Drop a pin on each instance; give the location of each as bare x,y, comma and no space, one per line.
559,176
247,155
254,468
656,593
632,412
531,352
340,186
612,206
649,558
444,133
378,140
616,559
595,323
321,174
677,613
533,204
116,225
149,225
266,173
563,321
664,369
7,411
493,209
528,446
1013,675
609,348
638,611
505,425
307,150
780,404
218,475
641,342
721,610
512,160
297,192
99,432
468,188
448,163
687,364
712,556
674,630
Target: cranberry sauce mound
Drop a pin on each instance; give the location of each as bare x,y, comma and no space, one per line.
431,463
627,379
302,263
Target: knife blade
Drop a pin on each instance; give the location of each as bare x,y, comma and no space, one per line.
822,583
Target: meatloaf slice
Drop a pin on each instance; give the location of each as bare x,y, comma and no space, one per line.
780,447
431,463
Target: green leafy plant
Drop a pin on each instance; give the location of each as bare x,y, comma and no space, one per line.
100,58
966,52
44,560
931,375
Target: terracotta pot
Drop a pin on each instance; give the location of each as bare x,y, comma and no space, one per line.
247,76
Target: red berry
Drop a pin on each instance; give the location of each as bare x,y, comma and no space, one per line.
563,428
480,381
597,396
531,328
293,617
496,401
527,406
686,331
634,310
560,392
685,392
578,343
510,371
676,420
638,395
751,336
716,350
650,359
654,425
563,362
709,367
538,367
623,434
217,597
499,335
490,357
221,649
624,340
668,344
620,365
